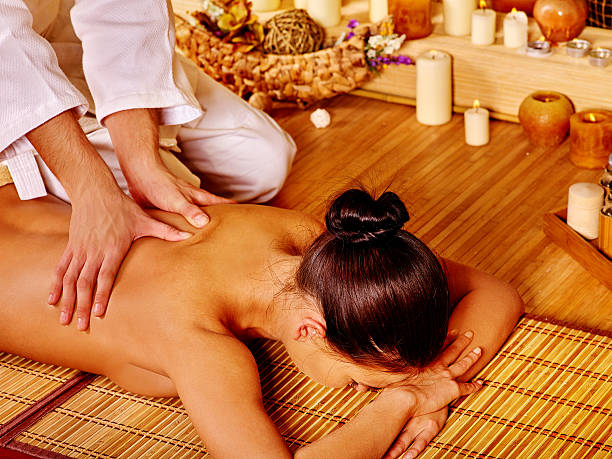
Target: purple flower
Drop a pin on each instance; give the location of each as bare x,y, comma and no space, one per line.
353,23
372,63
350,35
404,60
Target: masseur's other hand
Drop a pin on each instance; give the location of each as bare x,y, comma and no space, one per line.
154,185
103,225
135,136
436,386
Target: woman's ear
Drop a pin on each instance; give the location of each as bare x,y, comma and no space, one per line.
310,327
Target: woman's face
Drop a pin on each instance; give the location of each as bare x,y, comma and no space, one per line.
333,370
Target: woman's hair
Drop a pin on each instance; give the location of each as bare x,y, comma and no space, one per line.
383,293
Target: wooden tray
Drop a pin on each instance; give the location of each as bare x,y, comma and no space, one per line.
584,252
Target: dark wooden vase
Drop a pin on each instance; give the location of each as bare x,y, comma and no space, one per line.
560,20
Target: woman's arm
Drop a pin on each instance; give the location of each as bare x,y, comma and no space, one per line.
487,305
217,380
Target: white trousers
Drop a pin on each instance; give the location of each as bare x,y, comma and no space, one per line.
236,150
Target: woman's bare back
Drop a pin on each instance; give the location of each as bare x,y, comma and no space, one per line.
164,290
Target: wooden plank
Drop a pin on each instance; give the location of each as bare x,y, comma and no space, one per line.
584,252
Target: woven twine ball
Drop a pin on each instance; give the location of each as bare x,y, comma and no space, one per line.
293,32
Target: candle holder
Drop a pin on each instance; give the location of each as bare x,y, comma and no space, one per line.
600,57
539,48
545,117
590,138
577,48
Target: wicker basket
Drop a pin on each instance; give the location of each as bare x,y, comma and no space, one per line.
266,80
600,13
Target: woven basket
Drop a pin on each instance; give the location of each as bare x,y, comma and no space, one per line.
600,13
269,80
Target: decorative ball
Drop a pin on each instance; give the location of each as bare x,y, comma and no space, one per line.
560,20
293,32
545,117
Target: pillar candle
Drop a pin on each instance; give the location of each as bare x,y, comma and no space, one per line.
325,12
301,4
483,25
434,96
583,205
476,122
458,16
379,9
591,138
265,5
515,29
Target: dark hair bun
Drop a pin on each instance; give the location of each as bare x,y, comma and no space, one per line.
355,216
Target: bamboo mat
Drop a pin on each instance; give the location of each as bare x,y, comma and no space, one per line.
548,393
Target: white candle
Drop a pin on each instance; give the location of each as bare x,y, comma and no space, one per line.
379,9
458,16
476,122
301,4
515,29
265,5
434,95
583,205
483,25
325,12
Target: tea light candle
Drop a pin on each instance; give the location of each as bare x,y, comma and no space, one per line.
379,9
303,4
434,96
483,25
583,205
577,48
515,29
265,5
591,138
325,12
539,48
600,57
476,121
458,16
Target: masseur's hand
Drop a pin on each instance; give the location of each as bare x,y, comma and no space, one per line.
135,137
416,435
103,225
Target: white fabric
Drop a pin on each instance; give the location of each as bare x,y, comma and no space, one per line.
236,150
104,56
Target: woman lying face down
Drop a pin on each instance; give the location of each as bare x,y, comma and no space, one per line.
361,303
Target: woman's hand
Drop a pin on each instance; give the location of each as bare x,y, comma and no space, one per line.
417,434
436,386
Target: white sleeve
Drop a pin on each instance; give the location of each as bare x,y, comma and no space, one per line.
128,58
33,89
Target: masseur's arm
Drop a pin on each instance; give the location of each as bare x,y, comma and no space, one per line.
217,380
488,306
103,224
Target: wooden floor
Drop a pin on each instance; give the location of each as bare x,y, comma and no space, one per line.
481,206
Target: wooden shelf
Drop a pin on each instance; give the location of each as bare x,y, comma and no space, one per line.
584,252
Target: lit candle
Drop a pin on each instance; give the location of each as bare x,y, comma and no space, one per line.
583,205
476,122
379,9
265,5
303,4
515,29
325,12
577,48
434,95
591,138
458,16
539,48
600,57
483,25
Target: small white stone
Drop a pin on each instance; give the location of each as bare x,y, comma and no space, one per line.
320,118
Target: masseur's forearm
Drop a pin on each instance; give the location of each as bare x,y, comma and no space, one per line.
63,146
486,305
367,435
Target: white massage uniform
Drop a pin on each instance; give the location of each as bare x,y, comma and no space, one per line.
99,57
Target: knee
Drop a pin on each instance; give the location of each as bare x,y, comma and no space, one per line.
273,154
